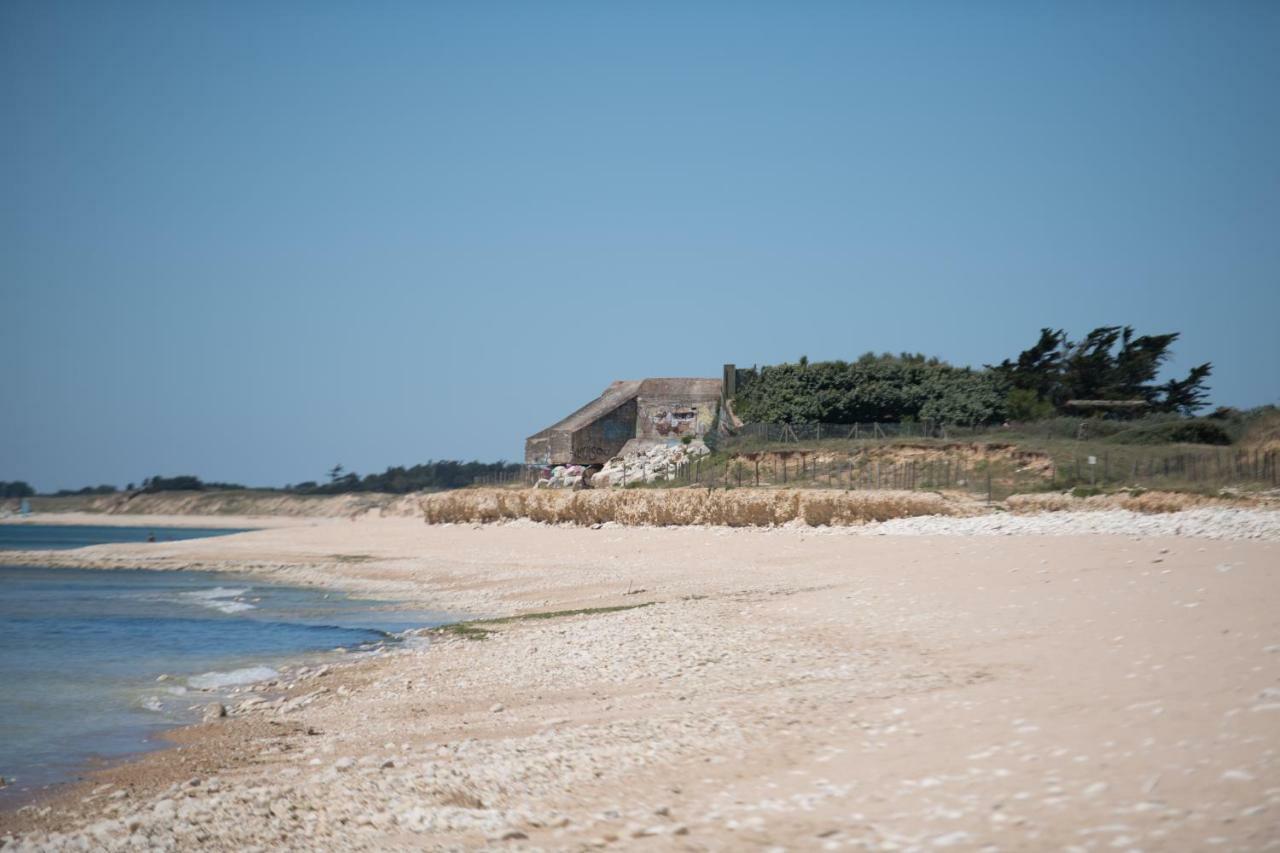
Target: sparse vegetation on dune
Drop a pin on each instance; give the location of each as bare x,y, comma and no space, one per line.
1135,500
1044,456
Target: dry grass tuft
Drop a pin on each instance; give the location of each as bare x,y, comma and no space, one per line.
666,507
1263,434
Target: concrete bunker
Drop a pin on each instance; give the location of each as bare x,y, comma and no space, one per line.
640,412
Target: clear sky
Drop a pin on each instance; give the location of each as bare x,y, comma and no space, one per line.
250,240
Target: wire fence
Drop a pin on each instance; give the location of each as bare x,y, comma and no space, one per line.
524,475
796,433
1060,454
994,475
1069,428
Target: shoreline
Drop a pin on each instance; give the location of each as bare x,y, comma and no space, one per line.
781,682
277,674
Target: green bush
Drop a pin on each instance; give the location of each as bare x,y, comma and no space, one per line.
1024,404
1198,431
872,389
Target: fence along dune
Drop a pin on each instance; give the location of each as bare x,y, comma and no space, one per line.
718,507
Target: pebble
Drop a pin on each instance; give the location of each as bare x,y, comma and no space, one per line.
1205,523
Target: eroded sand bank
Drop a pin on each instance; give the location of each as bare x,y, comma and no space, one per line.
784,688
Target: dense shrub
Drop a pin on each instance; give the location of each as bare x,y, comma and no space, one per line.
878,388
1198,431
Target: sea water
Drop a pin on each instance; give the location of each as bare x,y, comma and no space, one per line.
81,652
50,537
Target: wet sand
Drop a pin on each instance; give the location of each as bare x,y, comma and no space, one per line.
784,688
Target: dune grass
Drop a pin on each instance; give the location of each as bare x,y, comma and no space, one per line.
670,507
473,629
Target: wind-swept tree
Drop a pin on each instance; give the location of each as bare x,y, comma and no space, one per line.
1187,396
1110,363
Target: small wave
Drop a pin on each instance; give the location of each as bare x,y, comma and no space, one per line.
218,680
153,703
216,599
232,606
216,592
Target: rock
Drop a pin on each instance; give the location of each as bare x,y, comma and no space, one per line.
388,764
344,764
497,708
214,711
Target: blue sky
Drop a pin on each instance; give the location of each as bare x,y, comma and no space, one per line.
252,240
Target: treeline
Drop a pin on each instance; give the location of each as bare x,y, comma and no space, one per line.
87,490
1109,364
432,476
182,483
16,489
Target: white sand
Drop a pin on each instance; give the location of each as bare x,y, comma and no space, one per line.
788,689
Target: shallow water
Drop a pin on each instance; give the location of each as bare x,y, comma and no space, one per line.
49,537
80,652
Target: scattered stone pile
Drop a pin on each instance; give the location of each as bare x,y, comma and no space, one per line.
562,477
656,463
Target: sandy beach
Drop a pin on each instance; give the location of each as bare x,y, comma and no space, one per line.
792,689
